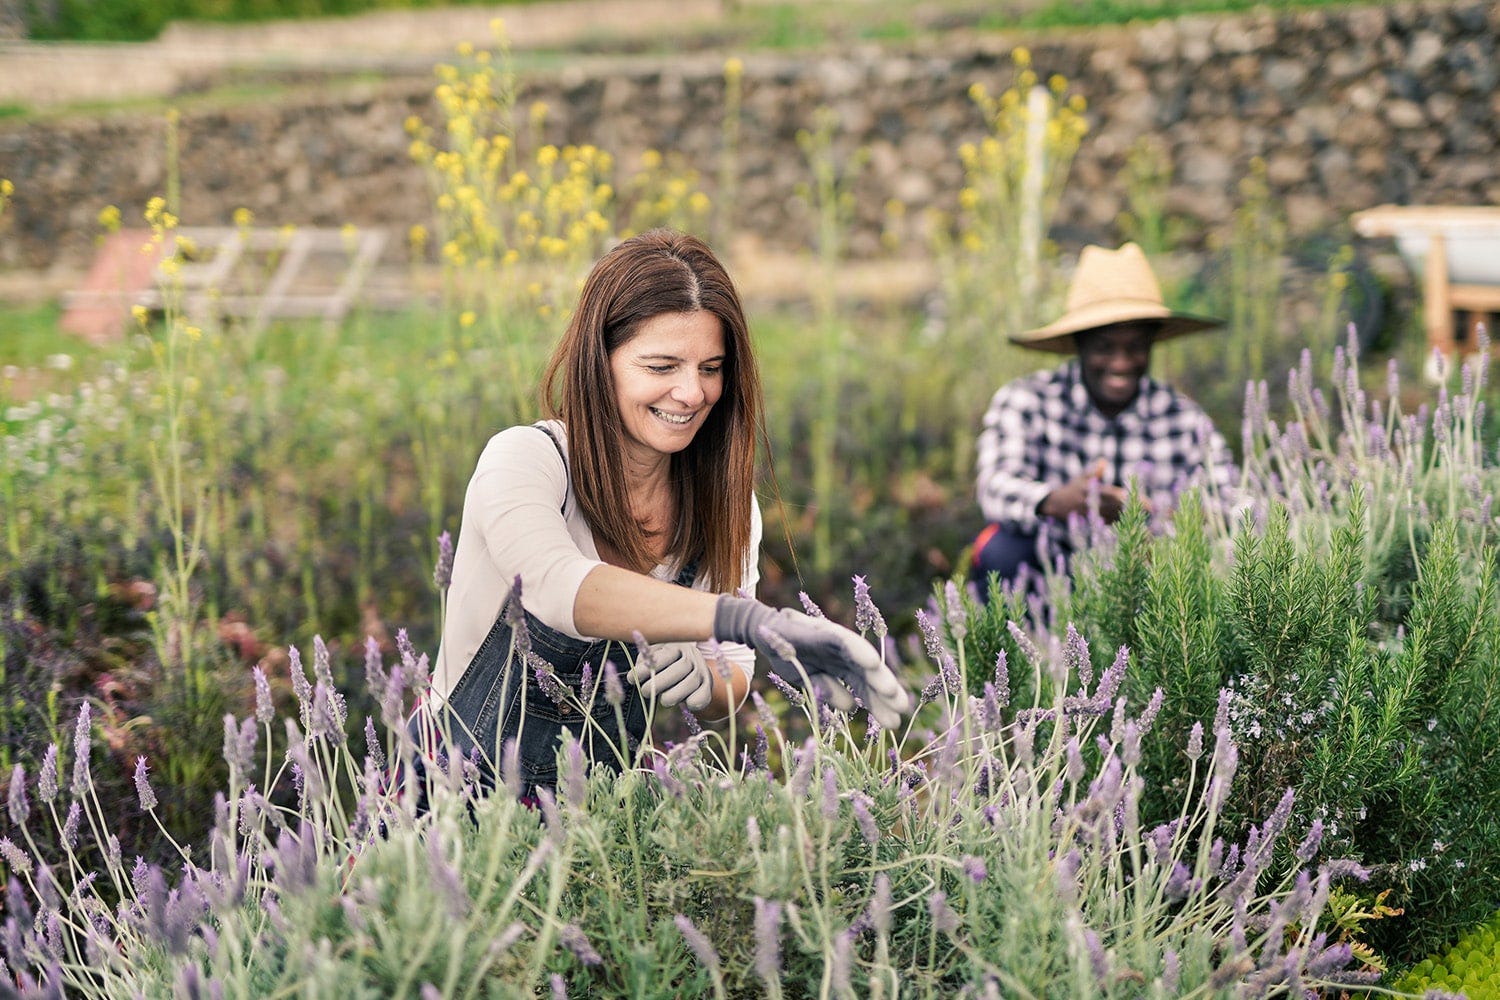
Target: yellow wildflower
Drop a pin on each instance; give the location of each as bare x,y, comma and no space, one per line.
139,313
109,215
733,68
6,187
466,318
243,217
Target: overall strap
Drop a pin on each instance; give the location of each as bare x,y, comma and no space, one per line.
543,426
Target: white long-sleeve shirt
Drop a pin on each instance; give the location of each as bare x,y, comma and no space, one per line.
520,518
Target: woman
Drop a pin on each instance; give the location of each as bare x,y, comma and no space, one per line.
630,512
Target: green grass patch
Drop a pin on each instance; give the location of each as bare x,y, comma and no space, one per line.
32,339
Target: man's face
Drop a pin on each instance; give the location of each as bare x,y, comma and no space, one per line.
1114,359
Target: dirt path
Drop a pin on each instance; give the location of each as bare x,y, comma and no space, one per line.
34,74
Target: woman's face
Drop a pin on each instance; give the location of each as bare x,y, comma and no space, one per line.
667,379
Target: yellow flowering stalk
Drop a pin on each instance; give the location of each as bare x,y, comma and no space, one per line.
1013,180
518,219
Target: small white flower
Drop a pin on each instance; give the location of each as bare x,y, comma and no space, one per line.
1431,724
60,362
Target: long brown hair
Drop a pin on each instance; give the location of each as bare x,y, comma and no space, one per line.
661,271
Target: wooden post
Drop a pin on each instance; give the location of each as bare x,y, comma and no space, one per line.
1437,309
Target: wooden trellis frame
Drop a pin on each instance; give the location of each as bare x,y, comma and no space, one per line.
252,274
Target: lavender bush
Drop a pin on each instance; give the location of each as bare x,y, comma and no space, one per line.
975,853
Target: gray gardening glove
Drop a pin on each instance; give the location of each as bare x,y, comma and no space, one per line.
675,672
823,649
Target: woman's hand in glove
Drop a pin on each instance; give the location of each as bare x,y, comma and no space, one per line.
678,673
801,648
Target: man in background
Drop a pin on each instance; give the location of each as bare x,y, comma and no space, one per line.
1061,443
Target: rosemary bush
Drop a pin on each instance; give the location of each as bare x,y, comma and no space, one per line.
1347,631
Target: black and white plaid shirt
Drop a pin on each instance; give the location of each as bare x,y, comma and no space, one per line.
1042,430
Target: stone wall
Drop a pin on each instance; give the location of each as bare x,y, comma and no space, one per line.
1347,107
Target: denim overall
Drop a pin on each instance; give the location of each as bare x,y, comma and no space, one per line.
499,698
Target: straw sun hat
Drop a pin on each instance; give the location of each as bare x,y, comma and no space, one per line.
1110,286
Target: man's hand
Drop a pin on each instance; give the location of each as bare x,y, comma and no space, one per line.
1073,496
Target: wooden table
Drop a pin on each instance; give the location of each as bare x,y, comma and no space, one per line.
1456,250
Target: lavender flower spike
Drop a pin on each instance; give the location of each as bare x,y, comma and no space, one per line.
867,617
442,574
46,784
81,748
702,947
143,787
768,940
20,808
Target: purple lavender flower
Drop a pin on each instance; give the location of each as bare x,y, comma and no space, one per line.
1309,846
1097,958
47,780
701,946
868,828
1346,868
1170,971
18,860
510,766
559,987
1195,742
1074,761
575,774
812,610
879,909
373,749
446,880
778,644
20,808
768,940
301,687
614,691
752,832
1130,752
931,640
1076,656
943,916
830,795
1180,883
442,574
867,617
762,749
81,748
574,940
1153,708
1002,679
840,962
957,617
801,779
792,695
143,786
547,680
974,867
265,707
